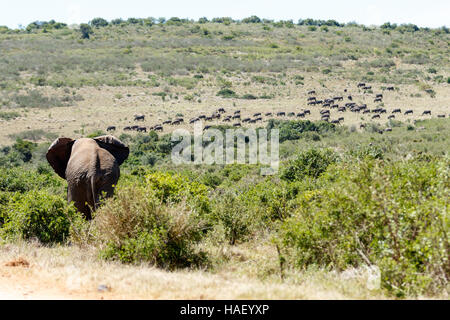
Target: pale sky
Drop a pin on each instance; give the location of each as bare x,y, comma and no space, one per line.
431,13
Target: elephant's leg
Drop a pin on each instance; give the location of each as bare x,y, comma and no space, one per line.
105,187
76,194
90,195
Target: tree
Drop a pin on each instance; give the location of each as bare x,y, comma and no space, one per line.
149,21
134,21
117,21
25,149
86,31
252,19
174,21
98,22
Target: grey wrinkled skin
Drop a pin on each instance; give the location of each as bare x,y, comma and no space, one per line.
90,166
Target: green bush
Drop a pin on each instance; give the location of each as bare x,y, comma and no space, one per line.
227,93
249,96
35,99
36,214
273,200
309,163
20,180
370,151
382,63
173,188
5,115
85,30
393,215
98,22
233,215
136,226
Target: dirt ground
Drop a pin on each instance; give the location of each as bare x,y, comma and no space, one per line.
29,271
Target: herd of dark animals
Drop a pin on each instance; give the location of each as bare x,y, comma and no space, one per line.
329,103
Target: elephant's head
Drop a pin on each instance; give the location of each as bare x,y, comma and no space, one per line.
58,154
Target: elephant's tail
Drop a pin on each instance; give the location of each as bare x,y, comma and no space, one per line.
94,193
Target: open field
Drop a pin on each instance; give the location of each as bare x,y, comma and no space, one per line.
359,209
100,109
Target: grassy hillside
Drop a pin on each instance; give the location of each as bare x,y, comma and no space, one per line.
58,82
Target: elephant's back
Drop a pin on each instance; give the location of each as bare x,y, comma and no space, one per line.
107,163
82,162
88,161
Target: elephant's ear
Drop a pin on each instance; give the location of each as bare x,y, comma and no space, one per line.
114,146
58,154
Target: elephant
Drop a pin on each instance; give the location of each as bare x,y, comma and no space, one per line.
90,166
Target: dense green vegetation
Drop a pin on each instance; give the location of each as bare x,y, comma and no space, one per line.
342,199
